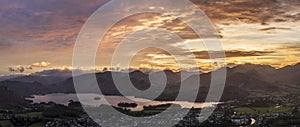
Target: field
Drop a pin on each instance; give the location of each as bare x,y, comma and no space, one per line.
6,123
31,114
262,110
37,125
262,94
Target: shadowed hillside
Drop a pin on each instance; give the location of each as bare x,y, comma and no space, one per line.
240,81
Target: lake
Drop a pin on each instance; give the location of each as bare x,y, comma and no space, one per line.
97,100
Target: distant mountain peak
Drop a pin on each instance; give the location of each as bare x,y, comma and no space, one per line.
249,67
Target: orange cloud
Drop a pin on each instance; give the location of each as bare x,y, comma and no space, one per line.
41,64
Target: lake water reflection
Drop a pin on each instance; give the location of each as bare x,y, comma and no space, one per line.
97,100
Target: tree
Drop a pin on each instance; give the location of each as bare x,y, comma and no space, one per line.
127,105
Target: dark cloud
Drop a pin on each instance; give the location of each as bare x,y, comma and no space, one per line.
29,67
144,55
250,11
275,28
18,68
55,24
105,69
21,69
289,48
48,24
11,69
236,53
231,53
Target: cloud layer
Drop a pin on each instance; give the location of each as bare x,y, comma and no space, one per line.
257,31
22,68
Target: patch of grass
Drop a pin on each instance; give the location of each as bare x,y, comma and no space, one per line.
279,94
291,104
37,125
31,114
242,110
260,94
262,110
6,123
281,110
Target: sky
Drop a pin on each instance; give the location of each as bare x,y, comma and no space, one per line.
37,35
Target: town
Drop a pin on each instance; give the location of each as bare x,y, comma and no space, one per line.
253,111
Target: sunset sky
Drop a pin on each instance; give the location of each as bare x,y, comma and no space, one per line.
36,35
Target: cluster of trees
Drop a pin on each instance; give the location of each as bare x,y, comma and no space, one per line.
162,106
127,105
24,121
60,111
74,104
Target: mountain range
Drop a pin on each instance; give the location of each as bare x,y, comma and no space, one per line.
241,80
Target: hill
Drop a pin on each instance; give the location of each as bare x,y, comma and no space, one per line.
241,81
9,98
